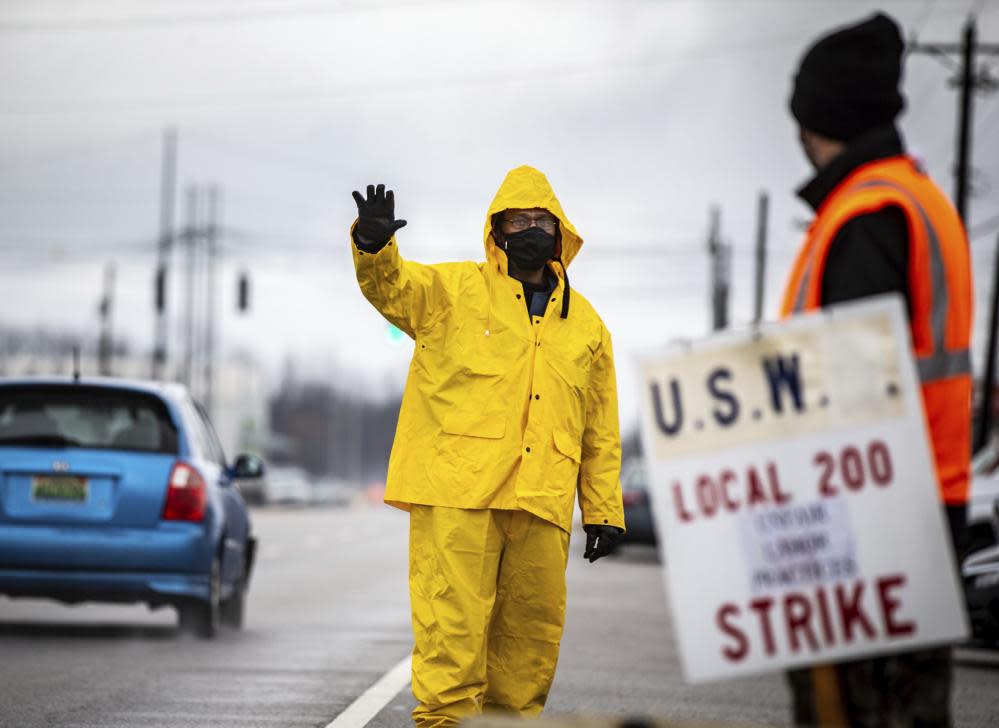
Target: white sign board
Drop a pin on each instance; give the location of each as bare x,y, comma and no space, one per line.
795,496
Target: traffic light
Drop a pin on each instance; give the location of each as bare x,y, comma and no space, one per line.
394,335
243,293
159,289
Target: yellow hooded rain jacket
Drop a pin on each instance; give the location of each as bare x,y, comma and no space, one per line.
501,409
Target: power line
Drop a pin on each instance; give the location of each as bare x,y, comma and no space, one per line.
687,246
929,83
260,153
79,151
484,82
986,120
254,243
983,228
242,16
924,17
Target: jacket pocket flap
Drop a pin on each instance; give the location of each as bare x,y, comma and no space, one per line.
471,424
567,445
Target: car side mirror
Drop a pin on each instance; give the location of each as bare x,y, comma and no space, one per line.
248,466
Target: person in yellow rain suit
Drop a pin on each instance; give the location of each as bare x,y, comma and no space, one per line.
510,408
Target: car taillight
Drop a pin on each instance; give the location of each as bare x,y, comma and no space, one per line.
186,495
633,497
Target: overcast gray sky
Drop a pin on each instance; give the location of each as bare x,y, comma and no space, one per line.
641,112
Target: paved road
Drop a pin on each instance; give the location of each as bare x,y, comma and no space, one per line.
328,616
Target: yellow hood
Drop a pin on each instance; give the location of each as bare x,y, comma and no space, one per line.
524,188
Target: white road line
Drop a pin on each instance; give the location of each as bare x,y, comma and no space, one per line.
372,700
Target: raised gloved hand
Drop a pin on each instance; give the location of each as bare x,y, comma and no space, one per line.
600,541
376,223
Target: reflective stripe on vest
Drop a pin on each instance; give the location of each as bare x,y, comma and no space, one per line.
941,364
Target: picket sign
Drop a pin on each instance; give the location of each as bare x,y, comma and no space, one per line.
794,494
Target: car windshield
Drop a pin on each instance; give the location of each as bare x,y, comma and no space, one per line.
85,416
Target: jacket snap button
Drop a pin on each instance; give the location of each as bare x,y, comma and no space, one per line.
528,449
487,332
537,396
518,295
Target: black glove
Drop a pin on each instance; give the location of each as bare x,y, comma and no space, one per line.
600,541
376,223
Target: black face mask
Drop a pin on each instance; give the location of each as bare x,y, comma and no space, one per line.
530,249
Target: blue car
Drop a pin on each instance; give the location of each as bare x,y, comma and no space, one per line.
118,491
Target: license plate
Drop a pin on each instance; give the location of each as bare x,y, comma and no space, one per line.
59,488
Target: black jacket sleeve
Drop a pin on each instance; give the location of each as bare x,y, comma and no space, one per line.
869,256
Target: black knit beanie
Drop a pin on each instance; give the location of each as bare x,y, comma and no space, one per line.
848,81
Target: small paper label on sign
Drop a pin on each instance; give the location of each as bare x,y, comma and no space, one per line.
798,546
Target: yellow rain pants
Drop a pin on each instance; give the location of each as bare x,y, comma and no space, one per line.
487,589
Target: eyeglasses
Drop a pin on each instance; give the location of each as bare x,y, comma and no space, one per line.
517,223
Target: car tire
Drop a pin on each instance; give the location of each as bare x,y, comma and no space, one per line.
200,617
233,609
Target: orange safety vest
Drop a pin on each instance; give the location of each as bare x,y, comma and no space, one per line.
940,292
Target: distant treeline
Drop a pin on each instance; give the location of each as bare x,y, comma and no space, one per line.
332,432
48,345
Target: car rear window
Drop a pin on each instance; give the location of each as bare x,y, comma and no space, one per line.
85,416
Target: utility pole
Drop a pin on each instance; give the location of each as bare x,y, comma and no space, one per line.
762,215
720,257
105,343
968,80
189,237
213,224
168,183
984,424
965,111
199,252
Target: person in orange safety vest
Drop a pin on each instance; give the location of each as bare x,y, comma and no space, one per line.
881,226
